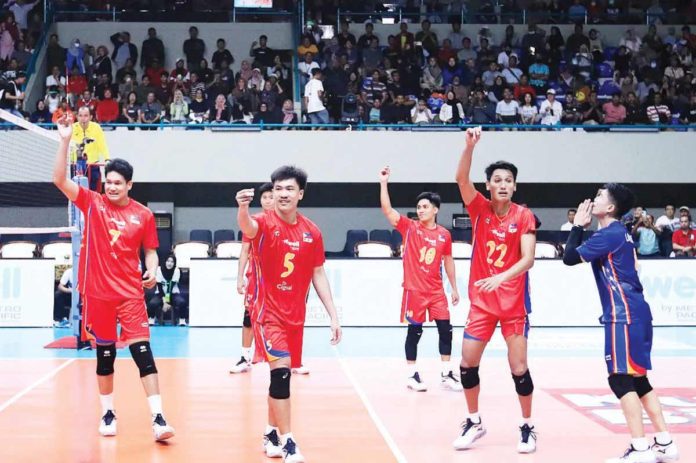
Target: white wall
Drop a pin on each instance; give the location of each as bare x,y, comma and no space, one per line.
237,35
336,156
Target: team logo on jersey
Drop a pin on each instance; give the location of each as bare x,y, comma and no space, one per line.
512,228
121,224
488,220
134,219
307,237
276,233
441,238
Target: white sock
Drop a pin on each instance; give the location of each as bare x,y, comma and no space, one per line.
284,438
155,402
527,421
246,353
412,369
475,417
270,429
446,367
107,402
663,438
640,444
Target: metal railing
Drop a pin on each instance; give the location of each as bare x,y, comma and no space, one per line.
233,14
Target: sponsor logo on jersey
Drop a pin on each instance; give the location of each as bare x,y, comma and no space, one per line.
488,220
498,234
121,224
307,237
441,238
295,245
284,286
430,241
276,233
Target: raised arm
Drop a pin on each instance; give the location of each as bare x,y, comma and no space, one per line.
463,178
389,212
323,289
247,224
241,266
60,165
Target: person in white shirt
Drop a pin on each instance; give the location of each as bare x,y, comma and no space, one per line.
667,221
420,114
528,110
306,67
631,41
550,109
507,111
314,91
512,73
569,224
21,11
55,79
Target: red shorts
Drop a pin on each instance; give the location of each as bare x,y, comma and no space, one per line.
277,340
481,324
415,304
100,317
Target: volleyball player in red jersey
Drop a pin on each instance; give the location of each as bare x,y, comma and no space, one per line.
246,286
110,280
504,238
427,249
288,252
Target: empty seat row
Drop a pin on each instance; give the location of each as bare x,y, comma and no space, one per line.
61,251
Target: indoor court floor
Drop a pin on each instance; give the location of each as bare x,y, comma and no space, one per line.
353,407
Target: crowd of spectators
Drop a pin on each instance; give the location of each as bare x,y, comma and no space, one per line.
539,77
673,234
124,83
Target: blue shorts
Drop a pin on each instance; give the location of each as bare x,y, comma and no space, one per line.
627,348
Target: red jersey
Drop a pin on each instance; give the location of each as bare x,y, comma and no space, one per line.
684,239
285,257
424,250
110,254
496,248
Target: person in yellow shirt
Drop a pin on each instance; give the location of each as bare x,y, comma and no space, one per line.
90,148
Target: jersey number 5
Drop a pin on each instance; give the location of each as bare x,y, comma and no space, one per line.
427,255
492,249
288,264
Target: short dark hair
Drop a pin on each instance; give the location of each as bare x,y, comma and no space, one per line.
434,198
120,166
504,165
263,37
622,198
572,209
316,71
265,188
290,172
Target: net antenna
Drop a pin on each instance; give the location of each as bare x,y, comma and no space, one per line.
27,193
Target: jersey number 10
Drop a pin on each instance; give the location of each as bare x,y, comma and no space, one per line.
427,255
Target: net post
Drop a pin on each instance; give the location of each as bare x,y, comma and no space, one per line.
77,224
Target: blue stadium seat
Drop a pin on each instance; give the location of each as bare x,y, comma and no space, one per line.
352,238
604,70
609,53
205,236
396,240
382,236
224,235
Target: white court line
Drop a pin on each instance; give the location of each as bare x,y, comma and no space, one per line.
36,383
370,410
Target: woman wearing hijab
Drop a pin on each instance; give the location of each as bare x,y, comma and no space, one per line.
244,72
167,295
450,71
452,111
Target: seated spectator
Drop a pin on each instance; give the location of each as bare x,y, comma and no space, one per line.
179,69
647,234
550,109
56,80
572,114
496,92
163,92
7,42
523,87
507,110
239,115
130,113
198,107
150,112
592,110
688,113
178,109
397,112
614,111
446,52
42,114
288,115
127,70
107,110
144,88
103,82
658,112
52,99
264,115
76,85
420,114
466,52
167,294
219,113
645,88
490,75
351,54
221,56
512,74
634,112
684,239
481,110
195,84
631,41
432,79
154,71
452,110
373,88
205,74
89,101
306,46
280,70
529,113
244,96
571,217
62,300
622,61
461,91
684,212
674,72
667,221
63,110
371,56
539,74
583,62
102,62
257,81
596,46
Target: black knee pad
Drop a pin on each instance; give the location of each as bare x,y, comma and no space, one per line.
106,355
524,384
621,385
642,385
280,383
469,377
247,319
412,337
142,355
444,329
